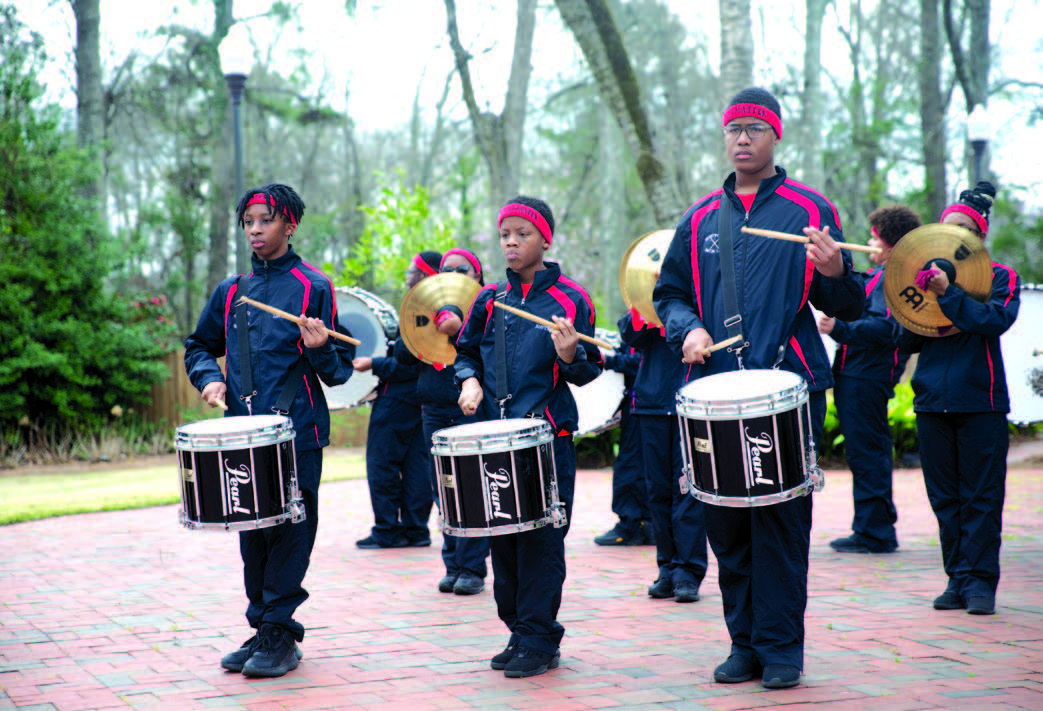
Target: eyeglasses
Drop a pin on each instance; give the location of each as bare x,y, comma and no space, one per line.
462,269
753,130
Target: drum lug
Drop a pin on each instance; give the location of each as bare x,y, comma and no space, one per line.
297,512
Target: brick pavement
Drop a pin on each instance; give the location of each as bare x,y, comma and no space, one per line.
129,610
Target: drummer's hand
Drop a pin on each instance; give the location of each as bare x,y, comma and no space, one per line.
825,323
696,343
470,396
824,252
939,281
566,339
214,394
362,364
450,325
313,331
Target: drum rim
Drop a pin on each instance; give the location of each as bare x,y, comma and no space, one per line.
759,406
274,433
538,433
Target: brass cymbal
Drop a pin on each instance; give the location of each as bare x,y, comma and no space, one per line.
417,315
639,271
958,252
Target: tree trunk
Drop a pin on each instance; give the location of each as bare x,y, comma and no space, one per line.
736,47
596,33
932,108
972,66
221,167
811,102
90,108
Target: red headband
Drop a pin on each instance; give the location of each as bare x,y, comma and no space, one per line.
756,111
514,209
423,266
473,260
970,212
262,199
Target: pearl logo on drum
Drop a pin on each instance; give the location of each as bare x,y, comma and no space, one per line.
235,477
755,447
494,481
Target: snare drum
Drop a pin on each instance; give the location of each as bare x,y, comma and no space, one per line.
598,403
373,321
497,477
746,438
238,473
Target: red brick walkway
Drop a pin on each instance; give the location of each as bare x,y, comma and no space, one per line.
129,610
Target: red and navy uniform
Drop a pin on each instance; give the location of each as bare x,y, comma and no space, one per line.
439,395
529,567
397,461
275,559
629,491
677,518
762,552
961,409
866,367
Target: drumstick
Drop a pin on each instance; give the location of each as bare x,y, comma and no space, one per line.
798,238
551,324
296,319
723,344
220,403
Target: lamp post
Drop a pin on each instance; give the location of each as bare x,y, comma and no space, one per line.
978,135
236,58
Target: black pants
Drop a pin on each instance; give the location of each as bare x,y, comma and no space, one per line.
629,489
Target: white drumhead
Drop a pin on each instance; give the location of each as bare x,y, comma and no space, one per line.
232,425
372,321
740,385
494,427
1023,369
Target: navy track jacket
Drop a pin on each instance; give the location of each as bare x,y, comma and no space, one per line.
537,378
290,284
775,281
866,347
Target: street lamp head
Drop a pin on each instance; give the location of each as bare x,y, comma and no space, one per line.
979,127
235,51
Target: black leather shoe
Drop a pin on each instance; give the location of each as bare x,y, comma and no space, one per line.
735,669
530,662
686,592
780,676
446,584
662,588
468,584
499,661
949,600
981,605
276,653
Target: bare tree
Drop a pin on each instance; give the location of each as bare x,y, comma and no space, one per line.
932,107
90,108
596,33
811,103
736,47
972,63
499,136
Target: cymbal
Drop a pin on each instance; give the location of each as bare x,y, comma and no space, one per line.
639,271
417,315
958,252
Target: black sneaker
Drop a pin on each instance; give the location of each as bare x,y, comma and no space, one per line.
981,605
446,584
618,536
949,600
370,543
276,653
420,543
234,662
500,660
858,544
468,584
780,676
662,588
530,662
686,592
735,669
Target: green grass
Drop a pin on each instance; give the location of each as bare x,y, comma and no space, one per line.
33,496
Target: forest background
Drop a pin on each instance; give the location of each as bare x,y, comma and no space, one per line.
405,125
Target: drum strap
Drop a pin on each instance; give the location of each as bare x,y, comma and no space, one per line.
290,387
732,314
500,335
245,372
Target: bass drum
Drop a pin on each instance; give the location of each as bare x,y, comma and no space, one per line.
1023,358
600,400
373,321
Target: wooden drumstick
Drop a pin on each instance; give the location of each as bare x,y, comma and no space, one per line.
220,403
723,344
799,238
550,324
296,319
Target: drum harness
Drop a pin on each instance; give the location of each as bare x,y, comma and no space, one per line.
500,336
282,405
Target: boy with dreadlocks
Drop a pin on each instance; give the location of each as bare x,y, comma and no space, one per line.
279,356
